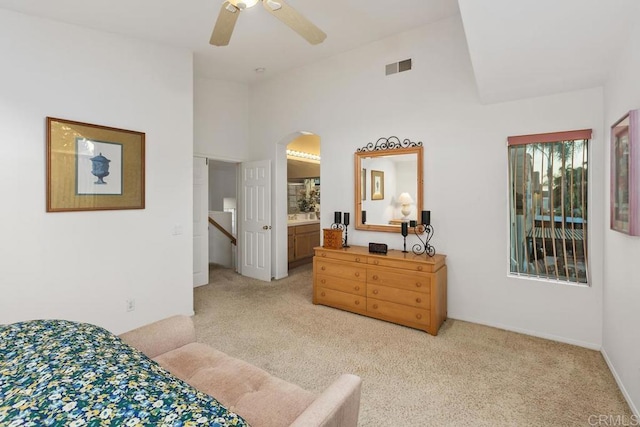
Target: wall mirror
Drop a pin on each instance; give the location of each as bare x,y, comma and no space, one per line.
388,184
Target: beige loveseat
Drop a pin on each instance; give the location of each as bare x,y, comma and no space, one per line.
260,398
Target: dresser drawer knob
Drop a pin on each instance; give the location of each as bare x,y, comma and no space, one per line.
357,274
375,306
375,262
357,259
418,285
324,255
323,268
322,294
323,281
357,302
357,288
375,277
375,292
418,300
419,268
418,316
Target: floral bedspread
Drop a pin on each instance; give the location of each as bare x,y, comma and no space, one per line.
62,373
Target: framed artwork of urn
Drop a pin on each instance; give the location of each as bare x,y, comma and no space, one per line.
93,167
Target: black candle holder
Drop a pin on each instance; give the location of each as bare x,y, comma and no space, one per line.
404,230
425,247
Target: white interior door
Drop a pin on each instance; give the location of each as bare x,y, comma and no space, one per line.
255,224
200,222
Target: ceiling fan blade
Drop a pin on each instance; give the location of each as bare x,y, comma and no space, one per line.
224,25
294,20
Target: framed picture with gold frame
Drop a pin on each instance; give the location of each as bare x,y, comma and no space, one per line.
377,185
625,174
93,167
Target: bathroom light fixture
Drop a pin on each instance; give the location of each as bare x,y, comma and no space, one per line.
303,155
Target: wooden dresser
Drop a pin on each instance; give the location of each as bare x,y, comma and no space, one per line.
407,289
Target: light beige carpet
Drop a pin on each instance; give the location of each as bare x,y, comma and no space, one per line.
469,375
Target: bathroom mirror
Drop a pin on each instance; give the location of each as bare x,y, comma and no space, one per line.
388,184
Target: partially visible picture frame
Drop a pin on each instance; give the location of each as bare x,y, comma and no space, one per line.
93,167
377,185
363,184
625,174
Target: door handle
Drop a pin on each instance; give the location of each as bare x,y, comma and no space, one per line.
266,227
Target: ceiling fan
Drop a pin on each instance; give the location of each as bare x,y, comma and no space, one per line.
231,10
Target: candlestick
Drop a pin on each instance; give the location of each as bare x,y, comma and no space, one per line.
425,247
339,225
426,217
404,228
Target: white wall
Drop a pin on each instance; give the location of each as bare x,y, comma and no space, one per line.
348,101
85,265
622,278
221,114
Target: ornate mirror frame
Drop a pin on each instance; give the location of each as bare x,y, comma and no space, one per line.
385,147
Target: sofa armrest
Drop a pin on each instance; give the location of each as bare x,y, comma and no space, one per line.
162,336
337,406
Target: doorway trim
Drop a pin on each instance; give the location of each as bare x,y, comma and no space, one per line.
279,260
224,160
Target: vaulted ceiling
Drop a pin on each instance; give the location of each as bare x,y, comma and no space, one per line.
525,48
518,48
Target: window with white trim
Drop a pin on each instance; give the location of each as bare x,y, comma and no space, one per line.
548,205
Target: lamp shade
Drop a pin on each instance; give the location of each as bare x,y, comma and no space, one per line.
405,199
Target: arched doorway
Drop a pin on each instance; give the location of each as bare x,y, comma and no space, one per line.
303,199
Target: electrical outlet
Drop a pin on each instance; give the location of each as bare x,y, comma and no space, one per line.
131,304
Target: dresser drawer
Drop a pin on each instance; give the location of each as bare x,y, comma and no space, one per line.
343,256
399,296
412,281
404,265
398,312
341,284
339,269
341,299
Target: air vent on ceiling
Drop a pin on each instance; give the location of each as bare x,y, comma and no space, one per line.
398,67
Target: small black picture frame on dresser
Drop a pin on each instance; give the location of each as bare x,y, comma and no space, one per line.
378,248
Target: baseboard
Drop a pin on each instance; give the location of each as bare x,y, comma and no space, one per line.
626,395
551,337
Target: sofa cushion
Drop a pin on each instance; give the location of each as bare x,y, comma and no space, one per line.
260,398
